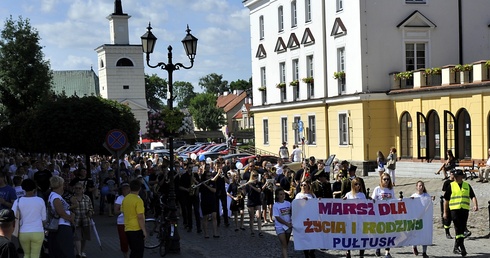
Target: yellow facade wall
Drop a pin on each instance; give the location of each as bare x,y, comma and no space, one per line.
477,106
370,129
319,150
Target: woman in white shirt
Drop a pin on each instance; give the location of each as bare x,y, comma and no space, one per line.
60,243
32,211
123,240
426,200
355,193
384,191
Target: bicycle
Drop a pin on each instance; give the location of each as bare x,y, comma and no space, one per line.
160,234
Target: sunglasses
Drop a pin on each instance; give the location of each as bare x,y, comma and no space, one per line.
386,179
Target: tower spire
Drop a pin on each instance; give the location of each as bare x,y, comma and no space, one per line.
118,8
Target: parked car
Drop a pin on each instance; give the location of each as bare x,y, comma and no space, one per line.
270,158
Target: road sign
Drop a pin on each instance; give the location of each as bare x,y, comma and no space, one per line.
116,139
300,126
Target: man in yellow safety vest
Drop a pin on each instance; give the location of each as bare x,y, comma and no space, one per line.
457,202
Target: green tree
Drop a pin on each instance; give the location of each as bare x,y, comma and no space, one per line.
214,84
241,85
25,78
72,125
183,93
205,113
156,90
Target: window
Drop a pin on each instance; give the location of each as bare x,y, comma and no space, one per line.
125,87
266,131
415,1
311,130
282,72
282,79
263,85
341,59
295,69
261,27
262,76
101,63
341,67
307,10
415,54
284,127
280,18
309,73
294,17
343,129
124,62
297,134
340,6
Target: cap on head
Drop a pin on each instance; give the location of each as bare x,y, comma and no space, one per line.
7,215
458,172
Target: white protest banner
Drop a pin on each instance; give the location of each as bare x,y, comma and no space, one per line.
361,224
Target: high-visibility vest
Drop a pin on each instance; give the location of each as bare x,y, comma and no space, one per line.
460,196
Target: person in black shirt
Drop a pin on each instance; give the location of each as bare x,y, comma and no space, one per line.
41,177
321,187
184,192
87,182
287,182
221,178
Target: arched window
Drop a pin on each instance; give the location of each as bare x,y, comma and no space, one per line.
124,62
101,63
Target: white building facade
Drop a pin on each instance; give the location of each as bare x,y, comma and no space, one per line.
351,49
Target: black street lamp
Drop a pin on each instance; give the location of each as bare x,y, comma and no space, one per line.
148,40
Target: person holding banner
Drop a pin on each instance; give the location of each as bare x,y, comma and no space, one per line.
347,182
384,192
421,193
457,202
283,223
306,194
355,193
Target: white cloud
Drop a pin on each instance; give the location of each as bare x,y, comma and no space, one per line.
48,5
75,62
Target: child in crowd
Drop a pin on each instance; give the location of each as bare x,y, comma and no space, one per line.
425,198
282,212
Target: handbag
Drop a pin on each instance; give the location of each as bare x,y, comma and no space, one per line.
17,220
390,164
53,219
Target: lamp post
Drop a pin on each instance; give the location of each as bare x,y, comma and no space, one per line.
148,41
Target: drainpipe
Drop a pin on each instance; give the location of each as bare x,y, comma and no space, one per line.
460,24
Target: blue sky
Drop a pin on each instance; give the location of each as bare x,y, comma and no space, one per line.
70,30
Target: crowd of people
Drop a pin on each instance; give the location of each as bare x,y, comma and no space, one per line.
38,187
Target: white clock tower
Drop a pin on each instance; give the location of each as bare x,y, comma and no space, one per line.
121,67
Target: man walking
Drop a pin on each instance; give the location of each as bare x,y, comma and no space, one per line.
457,202
134,220
284,152
7,224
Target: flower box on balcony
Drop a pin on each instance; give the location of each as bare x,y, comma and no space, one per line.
339,75
281,85
294,83
262,88
433,76
308,80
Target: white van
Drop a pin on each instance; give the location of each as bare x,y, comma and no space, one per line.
156,145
